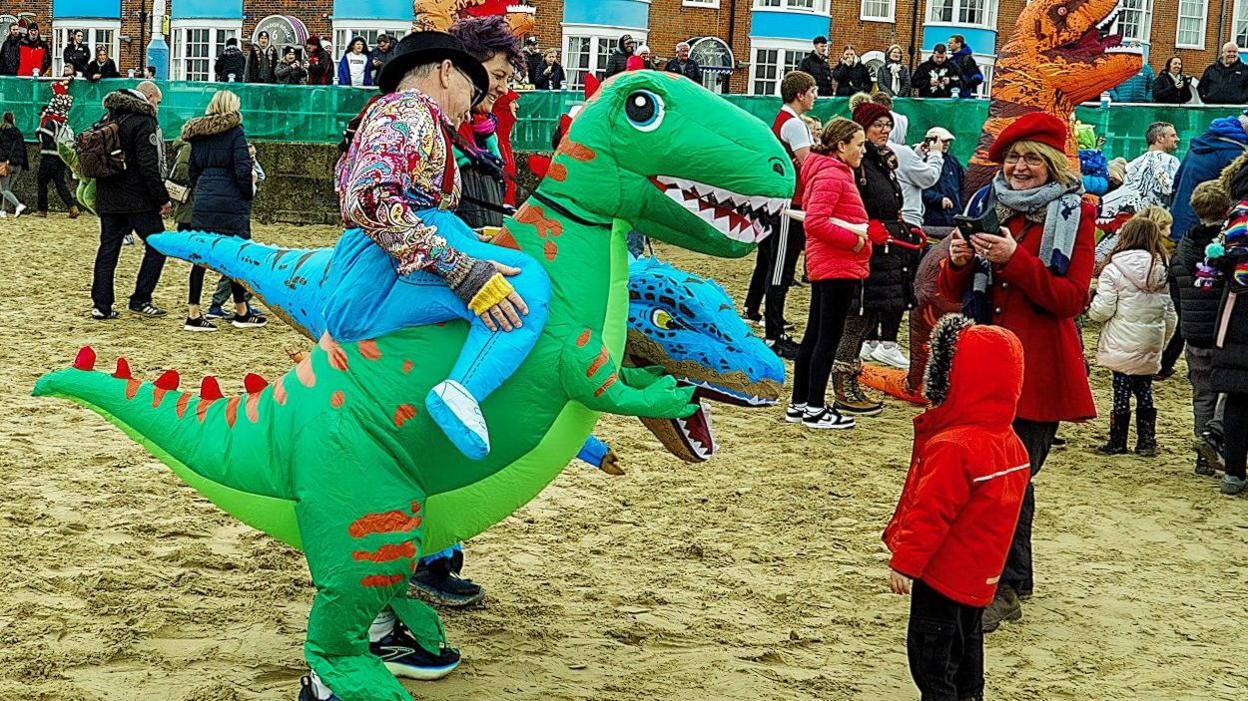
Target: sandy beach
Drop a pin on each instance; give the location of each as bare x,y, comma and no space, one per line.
759,575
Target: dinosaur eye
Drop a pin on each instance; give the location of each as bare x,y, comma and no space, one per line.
1062,11
664,320
644,110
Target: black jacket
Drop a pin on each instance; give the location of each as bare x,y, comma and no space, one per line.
690,69
1165,92
141,187
322,70
952,175
379,56
1230,349
1224,85
817,67
262,65
890,285
106,70
230,61
290,73
10,56
923,79
78,57
554,81
1198,306
534,65
13,148
220,172
617,62
851,80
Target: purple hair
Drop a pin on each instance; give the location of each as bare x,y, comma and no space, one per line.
483,37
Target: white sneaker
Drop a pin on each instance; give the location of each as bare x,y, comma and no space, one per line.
128,240
4,214
868,349
890,353
795,413
18,212
827,418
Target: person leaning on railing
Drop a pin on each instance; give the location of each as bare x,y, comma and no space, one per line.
289,70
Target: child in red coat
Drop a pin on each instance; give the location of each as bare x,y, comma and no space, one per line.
956,517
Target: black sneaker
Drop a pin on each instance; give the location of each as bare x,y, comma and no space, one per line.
827,418
148,309
1210,448
794,413
109,315
404,657
1059,442
439,586
200,324
250,320
754,318
784,347
307,692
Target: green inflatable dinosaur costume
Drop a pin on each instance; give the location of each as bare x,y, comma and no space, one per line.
337,457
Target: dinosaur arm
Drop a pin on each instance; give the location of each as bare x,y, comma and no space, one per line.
642,378
590,377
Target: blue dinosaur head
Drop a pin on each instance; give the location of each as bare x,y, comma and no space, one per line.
689,325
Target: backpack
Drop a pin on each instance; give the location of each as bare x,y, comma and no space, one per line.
100,154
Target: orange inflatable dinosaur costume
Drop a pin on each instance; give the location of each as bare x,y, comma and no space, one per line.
1060,54
440,14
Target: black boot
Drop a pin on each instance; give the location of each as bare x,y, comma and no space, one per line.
1146,432
1117,445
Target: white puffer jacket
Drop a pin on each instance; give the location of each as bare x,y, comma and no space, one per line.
1133,299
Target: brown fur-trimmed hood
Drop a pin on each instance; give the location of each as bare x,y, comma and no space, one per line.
210,125
129,101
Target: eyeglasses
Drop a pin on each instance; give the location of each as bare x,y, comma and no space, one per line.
477,93
1030,159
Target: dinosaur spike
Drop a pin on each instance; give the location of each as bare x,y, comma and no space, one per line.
254,384
85,360
168,381
209,389
123,369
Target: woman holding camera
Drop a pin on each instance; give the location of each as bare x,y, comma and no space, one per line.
1031,276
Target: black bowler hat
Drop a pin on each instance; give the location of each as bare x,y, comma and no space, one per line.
419,48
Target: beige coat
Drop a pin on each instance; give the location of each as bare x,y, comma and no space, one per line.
1133,300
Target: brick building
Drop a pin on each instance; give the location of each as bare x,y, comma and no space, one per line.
746,44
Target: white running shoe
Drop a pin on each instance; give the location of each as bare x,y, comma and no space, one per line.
795,413
4,214
890,353
868,349
827,418
18,212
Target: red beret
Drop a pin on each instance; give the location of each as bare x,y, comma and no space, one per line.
1040,127
866,114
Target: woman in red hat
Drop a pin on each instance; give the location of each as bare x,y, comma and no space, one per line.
1032,277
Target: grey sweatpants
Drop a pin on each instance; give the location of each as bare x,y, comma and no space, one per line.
6,188
1207,405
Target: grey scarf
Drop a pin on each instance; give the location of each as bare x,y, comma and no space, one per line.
1057,206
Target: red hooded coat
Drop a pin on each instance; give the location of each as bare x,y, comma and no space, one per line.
968,472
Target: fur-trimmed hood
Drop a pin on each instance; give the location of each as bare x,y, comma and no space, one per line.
210,125
974,375
129,101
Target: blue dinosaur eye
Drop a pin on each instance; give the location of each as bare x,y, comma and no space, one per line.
644,110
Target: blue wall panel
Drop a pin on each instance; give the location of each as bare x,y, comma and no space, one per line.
207,9
373,9
610,13
103,9
789,25
982,41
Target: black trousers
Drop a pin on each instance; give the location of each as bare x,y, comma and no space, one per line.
52,170
1037,438
1235,432
829,305
774,271
113,228
888,328
197,287
945,644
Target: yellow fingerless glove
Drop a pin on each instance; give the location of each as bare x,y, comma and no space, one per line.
491,293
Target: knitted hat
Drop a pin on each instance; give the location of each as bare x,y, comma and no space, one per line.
1040,127
313,40
866,114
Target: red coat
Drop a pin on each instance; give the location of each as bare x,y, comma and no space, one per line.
968,474
1040,308
831,201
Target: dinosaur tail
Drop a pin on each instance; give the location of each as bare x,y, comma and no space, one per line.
219,446
288,280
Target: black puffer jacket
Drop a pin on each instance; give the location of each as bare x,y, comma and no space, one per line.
10,55
1230,349
851,79
890,285
220,172
1198,306
78,56
231,62
13,148
617,62
141,187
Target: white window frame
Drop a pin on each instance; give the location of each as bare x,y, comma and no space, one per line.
1239,23
816,7
346,29
704,4
890,18
1204,25
990,14
61,29
1146,23
178,29
787,46
596,33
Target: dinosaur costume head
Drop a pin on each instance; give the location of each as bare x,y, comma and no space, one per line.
689,326
1060,55
649,149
